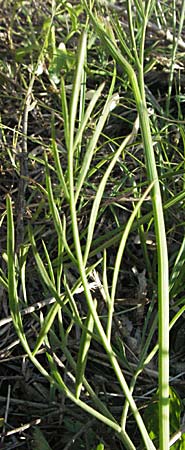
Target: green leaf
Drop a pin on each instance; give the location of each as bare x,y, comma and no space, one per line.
93,142
1,422
178,270
182,442
22,52
83,352
3,280
39,441
175,411
73,425
100,446
120,351
55,213
46,326
61,60
151,418
41,267
55,152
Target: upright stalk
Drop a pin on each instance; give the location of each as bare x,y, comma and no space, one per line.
138,89
163,282
162,252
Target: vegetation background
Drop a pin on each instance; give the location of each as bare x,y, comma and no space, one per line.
92,223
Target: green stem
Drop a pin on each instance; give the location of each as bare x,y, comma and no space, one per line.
163,284
163,276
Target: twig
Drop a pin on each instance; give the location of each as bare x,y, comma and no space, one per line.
176,436
21,429
29,309
38,305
